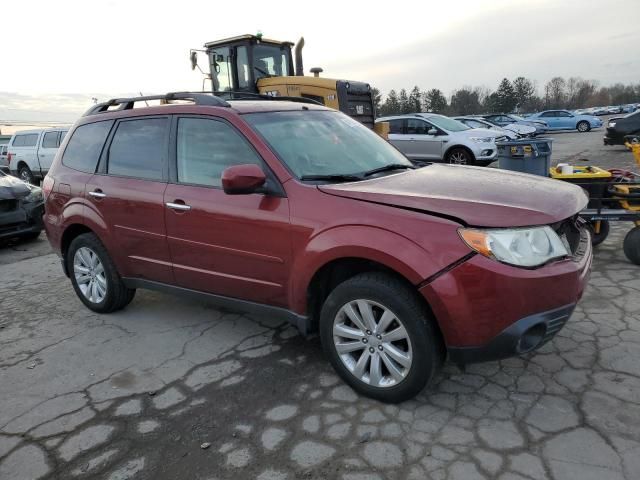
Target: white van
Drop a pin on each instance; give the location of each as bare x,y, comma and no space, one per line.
30,152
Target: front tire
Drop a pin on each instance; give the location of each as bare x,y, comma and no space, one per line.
460,156
583,126
379,337
94,276
26,175
631,245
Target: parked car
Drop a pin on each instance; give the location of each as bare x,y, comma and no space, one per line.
630,108
511,131
30,152
429,137
614,109
619,127
4,162
21,208
599,111
300,211
502,119
565,120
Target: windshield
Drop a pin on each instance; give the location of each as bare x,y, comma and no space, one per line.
324,143
448,124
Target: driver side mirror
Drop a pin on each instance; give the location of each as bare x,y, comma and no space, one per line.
242,179
432,131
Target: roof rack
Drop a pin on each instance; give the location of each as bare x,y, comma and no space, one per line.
235,95
199,98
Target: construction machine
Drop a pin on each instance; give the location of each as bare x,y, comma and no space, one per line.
249,65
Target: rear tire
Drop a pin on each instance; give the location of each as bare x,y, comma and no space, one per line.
419,349
603,232
583,126
94,276
460,156
631,245
26,175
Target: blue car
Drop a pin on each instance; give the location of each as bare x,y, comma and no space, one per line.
565,120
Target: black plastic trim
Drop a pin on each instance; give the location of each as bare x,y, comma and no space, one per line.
301,322
507,343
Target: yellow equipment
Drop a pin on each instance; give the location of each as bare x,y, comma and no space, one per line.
250,65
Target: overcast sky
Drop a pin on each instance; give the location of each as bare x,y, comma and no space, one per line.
57,55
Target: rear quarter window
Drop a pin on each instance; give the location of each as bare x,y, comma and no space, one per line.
85,145
26,140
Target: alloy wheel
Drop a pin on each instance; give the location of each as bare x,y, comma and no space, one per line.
458,158
372,343
89,274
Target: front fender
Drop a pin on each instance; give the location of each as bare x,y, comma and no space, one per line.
388,248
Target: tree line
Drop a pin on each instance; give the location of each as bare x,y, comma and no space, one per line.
517,95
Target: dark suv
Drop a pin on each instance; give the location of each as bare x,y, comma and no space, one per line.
296,209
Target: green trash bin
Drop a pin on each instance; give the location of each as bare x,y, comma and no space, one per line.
531,155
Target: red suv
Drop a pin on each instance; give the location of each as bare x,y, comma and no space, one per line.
294,208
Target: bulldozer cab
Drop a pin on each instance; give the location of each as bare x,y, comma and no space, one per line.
236,64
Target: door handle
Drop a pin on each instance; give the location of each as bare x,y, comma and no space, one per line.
178,206
97,193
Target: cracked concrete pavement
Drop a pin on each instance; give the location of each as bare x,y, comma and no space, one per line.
171,388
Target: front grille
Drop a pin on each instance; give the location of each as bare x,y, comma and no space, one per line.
8,205
360,108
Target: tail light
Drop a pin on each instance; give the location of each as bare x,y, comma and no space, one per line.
47,186
9,157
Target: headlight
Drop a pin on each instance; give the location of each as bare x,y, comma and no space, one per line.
522,247
483,139
34,196
612,124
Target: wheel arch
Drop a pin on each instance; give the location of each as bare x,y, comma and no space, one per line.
72,231
463,147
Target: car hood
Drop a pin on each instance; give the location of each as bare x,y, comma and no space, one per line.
12,188
479,132
521,128
474,196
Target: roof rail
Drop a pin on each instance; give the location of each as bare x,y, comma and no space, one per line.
199,98
235,95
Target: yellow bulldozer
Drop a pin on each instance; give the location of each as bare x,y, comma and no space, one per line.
249,65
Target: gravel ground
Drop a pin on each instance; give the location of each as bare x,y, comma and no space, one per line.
171,388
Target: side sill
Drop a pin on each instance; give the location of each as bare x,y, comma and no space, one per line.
301,322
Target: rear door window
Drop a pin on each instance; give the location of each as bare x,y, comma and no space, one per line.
138,149
205,147
84,146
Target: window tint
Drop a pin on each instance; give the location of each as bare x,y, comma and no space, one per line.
242,65
206,147
137,149
417,127
563,114
85,145
50,140
395,126
548,114
28,140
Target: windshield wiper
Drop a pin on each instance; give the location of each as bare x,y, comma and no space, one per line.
332,178
386,168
